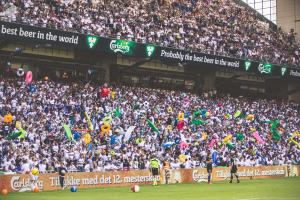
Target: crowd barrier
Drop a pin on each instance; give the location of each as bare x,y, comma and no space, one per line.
21,182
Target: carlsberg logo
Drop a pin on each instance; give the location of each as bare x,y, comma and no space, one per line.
283,71
247,65
119,46
265,68
149,50
92,41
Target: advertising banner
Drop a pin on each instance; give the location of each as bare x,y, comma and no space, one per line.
34,34
223,173
37,35
21,182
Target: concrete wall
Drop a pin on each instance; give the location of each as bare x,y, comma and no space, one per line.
288,16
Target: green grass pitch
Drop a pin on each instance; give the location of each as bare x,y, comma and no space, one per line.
267,189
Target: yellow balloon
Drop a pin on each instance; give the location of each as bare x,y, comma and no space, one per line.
182,158
180,116
105,128
87,138
227,138
250,117
204,136
170,110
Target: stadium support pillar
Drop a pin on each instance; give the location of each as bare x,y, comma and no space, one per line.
294,92
106,65
209,80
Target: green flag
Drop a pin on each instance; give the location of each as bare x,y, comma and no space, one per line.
152,126
275,133
14,135
118,112
230,145
68,131
23,133
197,122
240,136
195,119
237,114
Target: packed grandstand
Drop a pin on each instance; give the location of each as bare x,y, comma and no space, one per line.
221,27
93,128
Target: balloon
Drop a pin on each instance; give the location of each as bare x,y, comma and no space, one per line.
227,138
252,129
28,78
105,92
207,114
180,125
113,94
259,140
87,138
169,127
170,110
186,114
105,128
76,136
32,88
215,156
250,117
168,144
107,119
182,158
8,118
212,143
73,189
227,116
177,140
183,145
180,116
204,136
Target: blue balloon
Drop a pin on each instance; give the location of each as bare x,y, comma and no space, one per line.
32,88
177,140
73,189
113,139
76,135
168,145
215,156
187,114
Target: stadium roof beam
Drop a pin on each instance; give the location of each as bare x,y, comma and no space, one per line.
234,77
138,63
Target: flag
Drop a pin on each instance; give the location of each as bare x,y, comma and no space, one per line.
197,122
91,128
240,136
128,133
237,114
68,131
275,133
23,133
152,126
118,112
14,135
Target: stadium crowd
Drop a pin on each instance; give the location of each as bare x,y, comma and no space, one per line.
49,122
220,27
